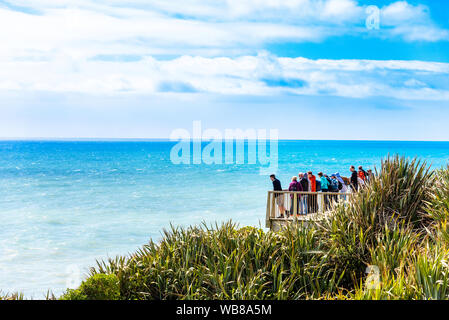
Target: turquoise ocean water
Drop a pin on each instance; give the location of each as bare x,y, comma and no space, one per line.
65,204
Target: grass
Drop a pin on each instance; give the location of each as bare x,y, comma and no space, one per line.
390,241
224,262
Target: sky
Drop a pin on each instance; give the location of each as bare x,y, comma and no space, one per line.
312,69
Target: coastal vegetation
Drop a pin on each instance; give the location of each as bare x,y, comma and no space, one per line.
389,241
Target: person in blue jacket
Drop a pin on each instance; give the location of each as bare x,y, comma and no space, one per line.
324,188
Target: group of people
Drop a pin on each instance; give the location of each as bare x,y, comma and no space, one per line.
308,182
359,178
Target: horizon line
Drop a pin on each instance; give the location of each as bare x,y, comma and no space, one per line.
80,139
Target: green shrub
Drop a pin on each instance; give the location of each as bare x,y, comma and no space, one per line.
396,225
226,262
96,287
431,273
396,198
73,294
439,204
438,208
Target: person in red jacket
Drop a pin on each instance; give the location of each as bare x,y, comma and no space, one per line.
362,173
313,200
312,180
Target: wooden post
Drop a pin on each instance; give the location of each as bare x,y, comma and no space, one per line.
295,205
268,215
323,204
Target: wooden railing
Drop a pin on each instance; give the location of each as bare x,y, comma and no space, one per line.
290,204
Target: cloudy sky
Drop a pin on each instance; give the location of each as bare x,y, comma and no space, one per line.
313,69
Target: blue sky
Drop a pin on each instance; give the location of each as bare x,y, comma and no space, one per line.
140,69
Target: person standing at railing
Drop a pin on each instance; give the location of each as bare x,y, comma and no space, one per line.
334,187
295,186
324,188
324,182
313,200
343,188
369,176
312,179
362,174
278,196
354,179
304,181
318,185
361,182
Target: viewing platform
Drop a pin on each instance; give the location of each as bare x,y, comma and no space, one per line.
299,206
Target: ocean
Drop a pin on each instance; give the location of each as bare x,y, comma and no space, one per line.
64,204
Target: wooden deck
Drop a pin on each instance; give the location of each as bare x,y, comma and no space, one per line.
316,204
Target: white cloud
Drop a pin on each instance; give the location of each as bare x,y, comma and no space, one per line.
420,33
223,23
83,33
64,48
218,10
411,23
84,28
342,10
246,75
414,83
403,12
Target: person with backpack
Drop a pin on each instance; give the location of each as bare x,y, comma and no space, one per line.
362,174
295,186
342,184
342,188
334,187
329,186
329,189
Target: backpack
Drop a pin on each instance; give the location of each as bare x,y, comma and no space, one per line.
340,185
362,174
329,181
295,186
334,185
